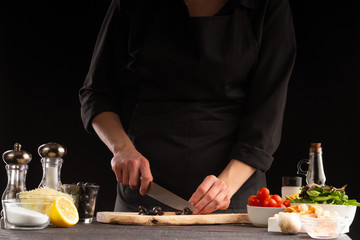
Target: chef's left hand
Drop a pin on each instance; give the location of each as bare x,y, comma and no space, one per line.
211,195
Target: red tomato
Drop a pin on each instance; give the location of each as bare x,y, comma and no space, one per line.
269,202
250,198
254,201
263,194
281,206
277,198
287,203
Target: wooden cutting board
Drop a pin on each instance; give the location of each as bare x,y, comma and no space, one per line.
133,218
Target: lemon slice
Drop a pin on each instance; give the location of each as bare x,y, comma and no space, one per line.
63,213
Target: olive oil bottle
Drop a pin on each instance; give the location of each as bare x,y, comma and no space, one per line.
315,172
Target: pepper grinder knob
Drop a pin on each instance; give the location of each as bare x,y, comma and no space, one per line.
17,156
52,150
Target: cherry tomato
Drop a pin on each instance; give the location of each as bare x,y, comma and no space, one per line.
263,194
286,203
249,200
269,202
281,205
277,198
254,201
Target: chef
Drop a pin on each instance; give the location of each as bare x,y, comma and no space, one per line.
190,94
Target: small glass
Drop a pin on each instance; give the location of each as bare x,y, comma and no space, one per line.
74,190
27,214
323,228
290,186
87,201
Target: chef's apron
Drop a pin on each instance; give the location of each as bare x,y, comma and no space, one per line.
191,73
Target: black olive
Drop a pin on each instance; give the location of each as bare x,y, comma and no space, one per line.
84,198
157,209
154,211
143,210
187,211
178,212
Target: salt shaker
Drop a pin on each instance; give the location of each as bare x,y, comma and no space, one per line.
51,159
17,161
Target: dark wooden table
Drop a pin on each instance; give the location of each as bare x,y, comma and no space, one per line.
111,231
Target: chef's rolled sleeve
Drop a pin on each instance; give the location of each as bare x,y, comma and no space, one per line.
93,104
260,130
98,94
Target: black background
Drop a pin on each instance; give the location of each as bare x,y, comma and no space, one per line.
45,51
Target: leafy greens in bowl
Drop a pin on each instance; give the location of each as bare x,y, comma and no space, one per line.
324,195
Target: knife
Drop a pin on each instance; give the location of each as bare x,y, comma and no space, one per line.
168,198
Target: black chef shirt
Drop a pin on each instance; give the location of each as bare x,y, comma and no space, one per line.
231,67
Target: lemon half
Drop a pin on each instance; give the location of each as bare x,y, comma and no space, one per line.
63,213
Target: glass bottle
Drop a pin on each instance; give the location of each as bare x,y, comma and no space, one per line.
315,173
290,185
16,161
51,160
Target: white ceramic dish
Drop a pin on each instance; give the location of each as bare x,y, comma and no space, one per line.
259,216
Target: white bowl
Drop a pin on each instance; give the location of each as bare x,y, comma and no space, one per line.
259,216
343,210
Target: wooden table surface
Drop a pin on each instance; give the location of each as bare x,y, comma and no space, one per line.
114,231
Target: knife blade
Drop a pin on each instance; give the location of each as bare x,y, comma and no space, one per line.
168,198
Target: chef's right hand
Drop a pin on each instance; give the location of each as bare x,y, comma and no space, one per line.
129,165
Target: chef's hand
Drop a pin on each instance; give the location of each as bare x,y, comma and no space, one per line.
129,165
215,192
211,195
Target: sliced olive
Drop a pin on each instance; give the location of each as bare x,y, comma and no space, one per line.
187,211
142,210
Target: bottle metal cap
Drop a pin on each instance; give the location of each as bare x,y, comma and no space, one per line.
52,150
16,156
